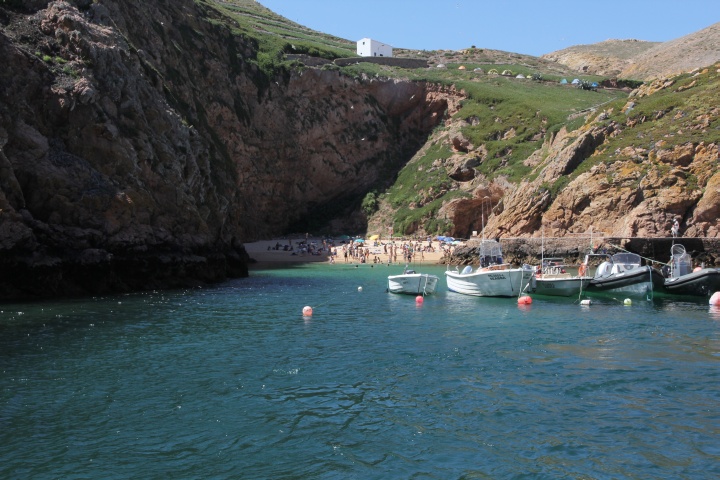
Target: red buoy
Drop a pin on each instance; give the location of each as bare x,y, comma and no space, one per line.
715,299
524,300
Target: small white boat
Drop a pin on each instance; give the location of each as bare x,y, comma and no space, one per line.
412,283
492,278
552,278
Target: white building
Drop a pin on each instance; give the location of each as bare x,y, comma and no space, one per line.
368,47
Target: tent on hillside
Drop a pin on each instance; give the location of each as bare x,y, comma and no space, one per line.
576,81
478,70
563,81
461,67
520,75
440,65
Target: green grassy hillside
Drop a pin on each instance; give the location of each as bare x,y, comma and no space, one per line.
276,35
509,117
680,111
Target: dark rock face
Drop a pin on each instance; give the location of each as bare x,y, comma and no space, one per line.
140,145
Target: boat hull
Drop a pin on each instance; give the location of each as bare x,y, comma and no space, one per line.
560,287
701,283
490,283
413,283
640,278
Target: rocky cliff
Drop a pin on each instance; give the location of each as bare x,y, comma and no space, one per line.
628,172
140,144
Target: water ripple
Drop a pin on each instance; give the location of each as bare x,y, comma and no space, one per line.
233,382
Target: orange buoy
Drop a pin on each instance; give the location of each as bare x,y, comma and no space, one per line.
524,300
715,299
307,311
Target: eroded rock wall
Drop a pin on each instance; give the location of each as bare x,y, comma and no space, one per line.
637,195
140,145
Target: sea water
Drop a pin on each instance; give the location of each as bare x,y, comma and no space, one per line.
232,381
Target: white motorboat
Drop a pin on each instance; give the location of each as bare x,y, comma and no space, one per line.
492,278
552,278
412,283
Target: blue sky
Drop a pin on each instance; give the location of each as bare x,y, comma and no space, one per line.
533,27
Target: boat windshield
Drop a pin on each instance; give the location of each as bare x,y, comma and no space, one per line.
681,263
629,259
490,253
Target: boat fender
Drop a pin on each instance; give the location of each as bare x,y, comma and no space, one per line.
715,299
582,270
467,270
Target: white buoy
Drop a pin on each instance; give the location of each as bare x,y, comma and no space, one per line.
627,301
585,302
307,311
359,289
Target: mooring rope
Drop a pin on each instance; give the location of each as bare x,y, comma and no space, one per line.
628,251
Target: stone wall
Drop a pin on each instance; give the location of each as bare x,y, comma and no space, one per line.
391,61
343,62
308,60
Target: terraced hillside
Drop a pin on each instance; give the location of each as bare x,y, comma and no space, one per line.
276,35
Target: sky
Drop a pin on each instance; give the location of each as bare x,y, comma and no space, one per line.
532,27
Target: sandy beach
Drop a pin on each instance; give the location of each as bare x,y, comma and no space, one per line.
264,252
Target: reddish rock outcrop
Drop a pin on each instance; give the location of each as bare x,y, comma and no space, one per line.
631,197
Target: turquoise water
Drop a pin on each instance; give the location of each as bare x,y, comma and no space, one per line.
233,382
